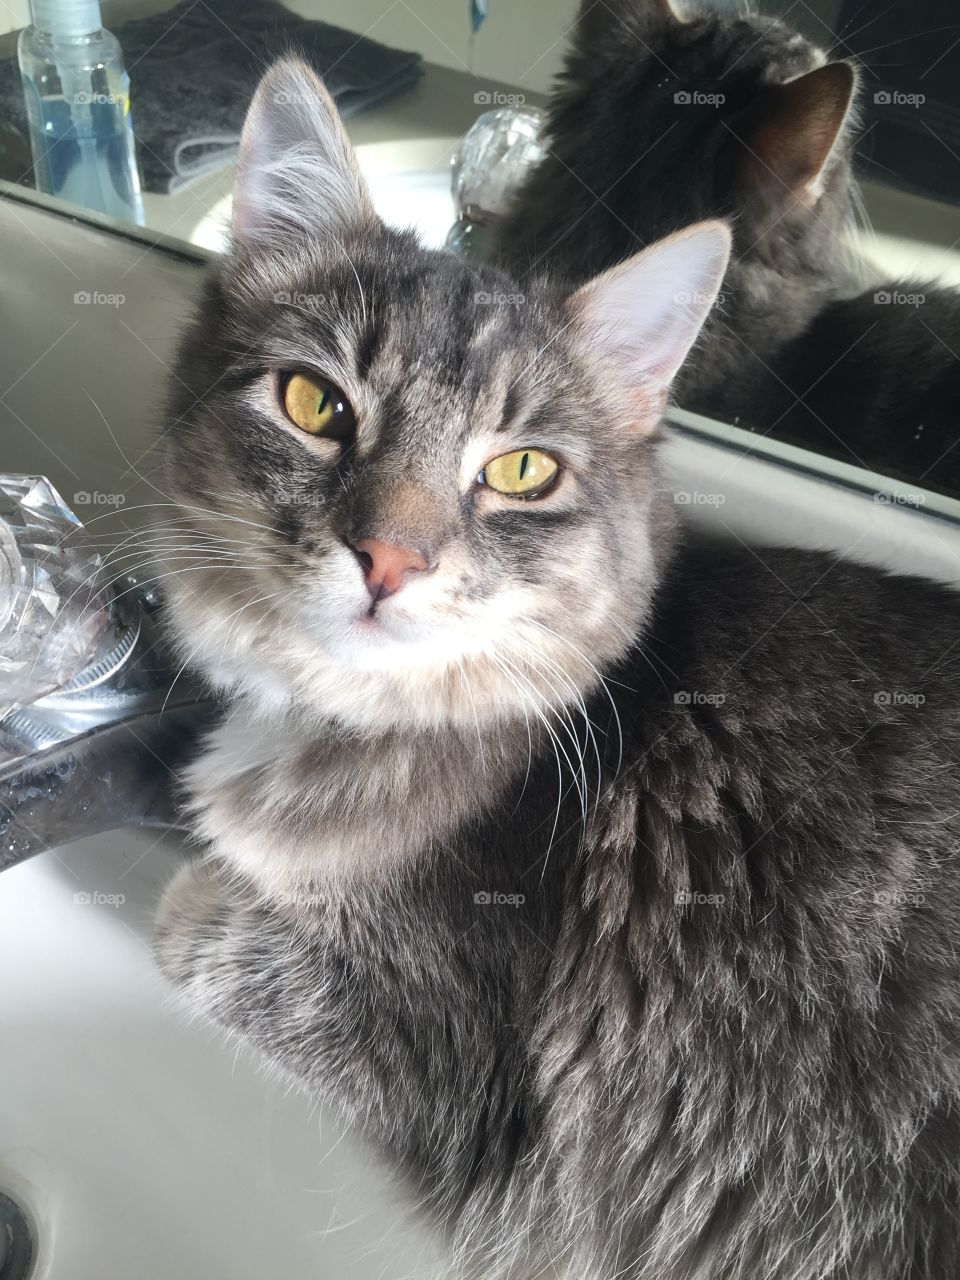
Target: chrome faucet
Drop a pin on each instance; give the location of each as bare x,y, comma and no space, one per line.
95,716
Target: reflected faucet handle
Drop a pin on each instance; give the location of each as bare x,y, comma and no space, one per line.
493,158
53,608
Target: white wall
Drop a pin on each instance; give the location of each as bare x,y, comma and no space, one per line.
520,43
14,14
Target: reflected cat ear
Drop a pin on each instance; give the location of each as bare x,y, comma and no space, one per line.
297,175
790,134
598,18
644,315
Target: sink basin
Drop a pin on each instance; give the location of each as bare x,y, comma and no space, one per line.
142,1144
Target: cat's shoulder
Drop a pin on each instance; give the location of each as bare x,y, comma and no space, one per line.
813,627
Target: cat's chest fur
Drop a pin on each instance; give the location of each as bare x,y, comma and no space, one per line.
296,805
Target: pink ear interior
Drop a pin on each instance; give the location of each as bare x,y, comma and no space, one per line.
789,135
644,315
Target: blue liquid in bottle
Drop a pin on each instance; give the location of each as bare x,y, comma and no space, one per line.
77,96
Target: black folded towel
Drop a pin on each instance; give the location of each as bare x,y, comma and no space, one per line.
194,67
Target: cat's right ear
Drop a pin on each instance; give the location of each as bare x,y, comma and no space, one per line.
598,19
791,134
642,317
297,175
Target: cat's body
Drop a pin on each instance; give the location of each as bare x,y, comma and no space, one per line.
874,381
609,882
719,1042
761,134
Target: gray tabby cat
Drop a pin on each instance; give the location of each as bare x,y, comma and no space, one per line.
609,882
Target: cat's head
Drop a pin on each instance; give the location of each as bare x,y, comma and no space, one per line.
407,491
707,113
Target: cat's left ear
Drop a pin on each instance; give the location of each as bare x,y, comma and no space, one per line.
297,175
644,315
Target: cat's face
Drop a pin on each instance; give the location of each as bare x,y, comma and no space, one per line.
708,113
409,493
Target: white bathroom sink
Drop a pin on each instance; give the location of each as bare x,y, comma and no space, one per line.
143,1145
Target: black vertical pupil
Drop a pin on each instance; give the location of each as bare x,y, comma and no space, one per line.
324,401
524,461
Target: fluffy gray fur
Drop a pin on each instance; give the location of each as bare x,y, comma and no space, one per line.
611,883
666,115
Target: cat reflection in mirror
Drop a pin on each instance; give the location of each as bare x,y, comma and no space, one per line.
607,881
668,114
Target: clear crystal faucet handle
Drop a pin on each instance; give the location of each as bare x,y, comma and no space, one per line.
493,158
53,611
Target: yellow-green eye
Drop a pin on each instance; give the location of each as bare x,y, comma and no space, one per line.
318,406
525,473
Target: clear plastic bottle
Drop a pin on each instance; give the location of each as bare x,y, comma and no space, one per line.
77,94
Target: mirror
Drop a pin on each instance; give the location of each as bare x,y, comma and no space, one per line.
833,140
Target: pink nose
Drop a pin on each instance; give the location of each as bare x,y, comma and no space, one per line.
386,565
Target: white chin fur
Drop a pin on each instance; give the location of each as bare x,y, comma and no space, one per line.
434,657
335,666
